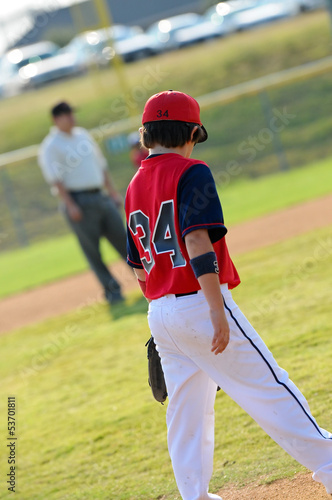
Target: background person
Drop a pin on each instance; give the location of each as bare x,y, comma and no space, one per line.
72,163
137,151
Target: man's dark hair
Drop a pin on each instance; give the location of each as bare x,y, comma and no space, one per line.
62,108
169,133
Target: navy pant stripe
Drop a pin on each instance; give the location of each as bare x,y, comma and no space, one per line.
271,369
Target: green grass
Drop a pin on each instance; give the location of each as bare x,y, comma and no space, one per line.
87,425
45,262
248,199
242,199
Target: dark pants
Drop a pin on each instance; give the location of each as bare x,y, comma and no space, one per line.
100,218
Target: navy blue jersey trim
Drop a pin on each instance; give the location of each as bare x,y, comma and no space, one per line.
274,375
134,264
204,225
153,156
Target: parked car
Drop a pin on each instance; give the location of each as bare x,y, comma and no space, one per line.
62,65
21,56
265,11
136,47
15,59
226,10
202,31
86,48
216,22
164,32
307,5
97,48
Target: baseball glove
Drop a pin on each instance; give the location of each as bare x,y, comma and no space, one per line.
156,375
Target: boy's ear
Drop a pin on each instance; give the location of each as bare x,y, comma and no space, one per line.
194,130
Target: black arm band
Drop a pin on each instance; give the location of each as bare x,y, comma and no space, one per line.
205,264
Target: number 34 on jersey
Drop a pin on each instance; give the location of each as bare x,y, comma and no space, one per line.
163,236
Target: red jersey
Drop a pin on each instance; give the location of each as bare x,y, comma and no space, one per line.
169,197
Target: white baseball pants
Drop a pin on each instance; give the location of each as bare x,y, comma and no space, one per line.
246,371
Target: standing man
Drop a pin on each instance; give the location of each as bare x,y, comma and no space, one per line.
176,245
73,164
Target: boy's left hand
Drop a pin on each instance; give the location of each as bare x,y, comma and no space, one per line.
221,330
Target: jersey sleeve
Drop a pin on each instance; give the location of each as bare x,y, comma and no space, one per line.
133,258
198,203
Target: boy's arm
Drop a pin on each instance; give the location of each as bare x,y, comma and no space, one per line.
140,274
198,243
141,279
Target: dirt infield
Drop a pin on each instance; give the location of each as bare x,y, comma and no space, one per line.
300,487
71,293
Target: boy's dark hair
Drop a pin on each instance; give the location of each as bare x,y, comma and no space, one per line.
169,133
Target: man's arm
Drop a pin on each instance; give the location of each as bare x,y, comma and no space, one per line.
52,169
108,182
110,188
198,243
73,209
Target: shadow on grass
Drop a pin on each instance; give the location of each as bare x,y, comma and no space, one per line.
138,306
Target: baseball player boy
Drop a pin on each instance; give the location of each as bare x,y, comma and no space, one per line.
176,245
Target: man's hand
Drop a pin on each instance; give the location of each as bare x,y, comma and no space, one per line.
221,330
74,212
117,198
112,192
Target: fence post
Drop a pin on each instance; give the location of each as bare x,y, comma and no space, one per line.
14,211
278,147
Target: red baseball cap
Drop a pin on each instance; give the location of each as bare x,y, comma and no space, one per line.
173,105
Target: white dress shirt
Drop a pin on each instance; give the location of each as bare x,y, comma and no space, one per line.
73,159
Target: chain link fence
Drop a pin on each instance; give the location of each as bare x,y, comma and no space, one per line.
253,130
